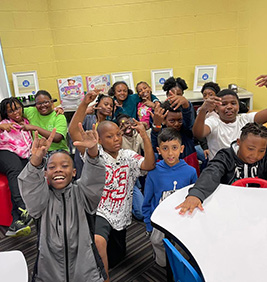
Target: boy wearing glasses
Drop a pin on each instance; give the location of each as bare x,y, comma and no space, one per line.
45,118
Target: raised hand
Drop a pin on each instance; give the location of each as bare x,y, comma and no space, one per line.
91,95
158,116
261,81
210,104
40,147
89,138
139,127
176,101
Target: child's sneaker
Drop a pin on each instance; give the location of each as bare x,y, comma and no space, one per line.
18,228
25,217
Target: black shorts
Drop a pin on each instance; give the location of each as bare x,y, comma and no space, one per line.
116,240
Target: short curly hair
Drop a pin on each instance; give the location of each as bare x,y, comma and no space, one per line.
172,82
253,128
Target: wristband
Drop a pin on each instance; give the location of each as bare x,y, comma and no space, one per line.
156,126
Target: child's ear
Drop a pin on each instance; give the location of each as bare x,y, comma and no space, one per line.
182,149
74,172
158,149
238,141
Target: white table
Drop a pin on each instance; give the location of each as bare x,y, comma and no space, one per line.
13,267
229,239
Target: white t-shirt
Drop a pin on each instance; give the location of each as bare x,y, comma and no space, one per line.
121,174
223,134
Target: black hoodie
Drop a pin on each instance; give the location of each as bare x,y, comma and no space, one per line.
226,168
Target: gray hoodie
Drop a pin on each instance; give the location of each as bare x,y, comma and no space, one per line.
66,251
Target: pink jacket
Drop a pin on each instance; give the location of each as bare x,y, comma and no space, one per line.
17,141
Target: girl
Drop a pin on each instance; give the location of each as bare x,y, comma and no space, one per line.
125,101
15,145
146,105
44,117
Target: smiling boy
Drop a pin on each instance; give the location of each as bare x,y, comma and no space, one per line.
170,174
66,250
225,128
245,158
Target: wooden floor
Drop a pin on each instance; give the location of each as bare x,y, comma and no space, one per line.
138,265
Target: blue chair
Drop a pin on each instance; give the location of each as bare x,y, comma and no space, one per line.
182,270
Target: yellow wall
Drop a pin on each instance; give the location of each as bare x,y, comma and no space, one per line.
90,37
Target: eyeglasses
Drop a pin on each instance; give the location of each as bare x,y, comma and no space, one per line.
13,111
45,103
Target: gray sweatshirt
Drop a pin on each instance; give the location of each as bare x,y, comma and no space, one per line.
66,251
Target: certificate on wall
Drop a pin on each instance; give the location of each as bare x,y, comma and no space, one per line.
204,74
158,78
127,77
100,82
25,83
71,92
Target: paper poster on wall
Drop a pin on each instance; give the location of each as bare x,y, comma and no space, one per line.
99,82
71,92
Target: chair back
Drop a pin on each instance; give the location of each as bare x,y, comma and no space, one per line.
251,180
182,270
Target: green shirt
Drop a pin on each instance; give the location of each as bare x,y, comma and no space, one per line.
49,122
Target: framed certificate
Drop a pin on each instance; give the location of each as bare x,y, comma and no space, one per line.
25,83
204,74
127,77
158,78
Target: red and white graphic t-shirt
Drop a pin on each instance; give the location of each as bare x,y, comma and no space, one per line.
121,174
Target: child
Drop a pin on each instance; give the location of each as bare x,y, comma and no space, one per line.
209,89
245,158
175,85
123,167
175,91
132,140
146,105
63,210
170,174
15,145
103,110
223,129
125,101
165,115
45,118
